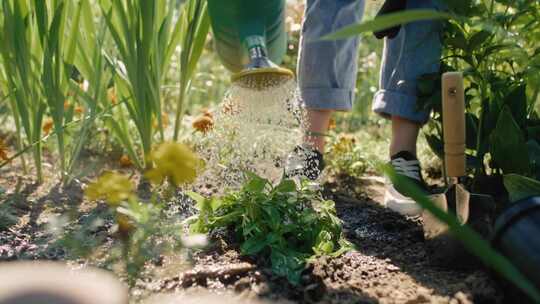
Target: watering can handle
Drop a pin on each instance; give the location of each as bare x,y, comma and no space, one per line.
453,106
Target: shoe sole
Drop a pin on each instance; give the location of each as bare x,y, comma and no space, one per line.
403,205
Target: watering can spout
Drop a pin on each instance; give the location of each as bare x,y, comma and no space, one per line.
260,72
251,41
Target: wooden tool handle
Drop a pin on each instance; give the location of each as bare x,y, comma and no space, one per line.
453,105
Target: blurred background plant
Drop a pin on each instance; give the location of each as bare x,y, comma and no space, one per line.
135,232
496,45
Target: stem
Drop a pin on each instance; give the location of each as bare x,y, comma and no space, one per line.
179,111
479,134
37,160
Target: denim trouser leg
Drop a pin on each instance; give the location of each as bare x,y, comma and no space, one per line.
416,50
327,69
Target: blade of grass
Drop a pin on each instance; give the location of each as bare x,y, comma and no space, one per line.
386,21
196,24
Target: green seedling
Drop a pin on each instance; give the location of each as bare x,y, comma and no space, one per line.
286,225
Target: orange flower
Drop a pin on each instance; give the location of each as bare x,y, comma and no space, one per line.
111,95
203,124
208,114
66,105
125,161
47,126
79,110
3,151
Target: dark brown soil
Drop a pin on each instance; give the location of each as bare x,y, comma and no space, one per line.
390,265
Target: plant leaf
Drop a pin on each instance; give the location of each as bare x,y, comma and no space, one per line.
386,21
520,187
508,146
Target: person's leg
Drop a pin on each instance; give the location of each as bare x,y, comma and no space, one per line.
327,69
404,135
317,121
415,51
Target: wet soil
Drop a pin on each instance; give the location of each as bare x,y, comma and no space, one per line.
391,263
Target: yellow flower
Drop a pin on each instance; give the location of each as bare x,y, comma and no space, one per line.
112,187
174,161
344,143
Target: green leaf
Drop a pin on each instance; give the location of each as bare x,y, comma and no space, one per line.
534,153
254,245
508,146
386,21
517,102
520,187
289,265
285,186
457,41
471,122
477,39
199,199
255,184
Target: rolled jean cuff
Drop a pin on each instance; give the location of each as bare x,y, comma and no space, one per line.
327,99
387,104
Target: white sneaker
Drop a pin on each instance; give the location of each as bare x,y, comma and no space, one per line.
406,165
399,203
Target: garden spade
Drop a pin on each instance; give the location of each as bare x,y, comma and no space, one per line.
469,208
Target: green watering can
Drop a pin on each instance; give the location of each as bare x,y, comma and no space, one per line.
251,40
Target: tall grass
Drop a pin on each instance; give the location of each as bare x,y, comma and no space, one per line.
196,24
41,48
22,54
146,35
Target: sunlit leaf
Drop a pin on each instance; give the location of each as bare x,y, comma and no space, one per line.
386,21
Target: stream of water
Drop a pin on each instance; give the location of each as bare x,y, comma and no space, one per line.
254,130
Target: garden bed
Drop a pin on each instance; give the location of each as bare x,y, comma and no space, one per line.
390,265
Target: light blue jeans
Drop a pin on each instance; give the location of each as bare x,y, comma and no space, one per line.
327,69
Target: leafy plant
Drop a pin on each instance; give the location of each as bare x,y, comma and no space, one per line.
19,44
146,34
195,23
285,224
345,156
40,52
138,225
495,43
